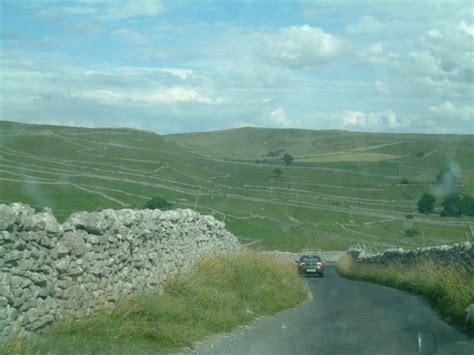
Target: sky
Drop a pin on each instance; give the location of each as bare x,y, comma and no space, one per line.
184,66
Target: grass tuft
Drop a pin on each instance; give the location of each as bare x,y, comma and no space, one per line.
449,288
219,295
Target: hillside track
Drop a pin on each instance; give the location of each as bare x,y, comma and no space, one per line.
347,317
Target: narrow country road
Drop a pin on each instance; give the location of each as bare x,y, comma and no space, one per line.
347,317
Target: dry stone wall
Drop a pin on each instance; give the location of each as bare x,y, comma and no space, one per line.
461,255
49,271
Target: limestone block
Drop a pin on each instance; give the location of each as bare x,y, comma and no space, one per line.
47,241
61,265
24,216
13,255
41,322
7,217
46,222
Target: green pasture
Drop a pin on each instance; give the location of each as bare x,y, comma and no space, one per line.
360,191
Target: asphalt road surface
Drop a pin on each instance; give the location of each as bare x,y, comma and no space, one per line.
347,317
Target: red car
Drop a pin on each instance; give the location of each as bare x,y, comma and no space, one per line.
310,265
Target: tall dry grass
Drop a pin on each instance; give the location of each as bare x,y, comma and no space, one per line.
449,288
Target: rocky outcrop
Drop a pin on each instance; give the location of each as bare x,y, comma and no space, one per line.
49,271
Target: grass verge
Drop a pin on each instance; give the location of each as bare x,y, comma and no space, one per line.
449,289
219,295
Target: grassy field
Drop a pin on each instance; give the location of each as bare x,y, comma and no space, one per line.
219,295
342,189
449,288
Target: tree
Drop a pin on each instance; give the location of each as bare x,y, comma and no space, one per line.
158,203
287,159
426,203
467,206
276,173
451,205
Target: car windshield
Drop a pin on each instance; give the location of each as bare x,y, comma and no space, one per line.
237,176
310,259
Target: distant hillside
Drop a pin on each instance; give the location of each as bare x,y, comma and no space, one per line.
343,188
328,146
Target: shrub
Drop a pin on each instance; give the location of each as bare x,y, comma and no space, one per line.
411,232
158,203
276,173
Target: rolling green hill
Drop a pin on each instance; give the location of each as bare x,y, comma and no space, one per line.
250,143
342,189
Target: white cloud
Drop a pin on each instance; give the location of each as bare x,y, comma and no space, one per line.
79,10
376,49
452,46
279,118
382,88
241,124
449,111
412,64
169,95
179,72
373,121
132,36
115,10
466,28
302,47
178,94
387,121
129,73
68,123
441,65
366,25
107,10
107,97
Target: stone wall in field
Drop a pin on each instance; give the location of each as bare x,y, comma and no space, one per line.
49,271
461,254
